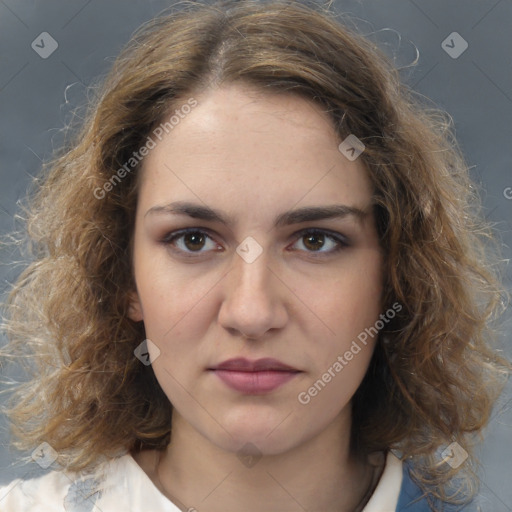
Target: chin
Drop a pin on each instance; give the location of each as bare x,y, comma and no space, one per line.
250,434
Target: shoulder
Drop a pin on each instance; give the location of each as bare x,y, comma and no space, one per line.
398,492
43,493
412,498
61,491
116,484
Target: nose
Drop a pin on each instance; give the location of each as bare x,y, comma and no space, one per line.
253,299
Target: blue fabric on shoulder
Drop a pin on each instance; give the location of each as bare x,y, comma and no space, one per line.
411,500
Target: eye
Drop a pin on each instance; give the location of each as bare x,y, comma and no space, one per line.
321,242
190,241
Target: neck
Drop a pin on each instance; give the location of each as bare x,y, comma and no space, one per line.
320,474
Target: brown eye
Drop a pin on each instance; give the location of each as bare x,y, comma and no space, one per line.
314,242
190,242
321,242
194,241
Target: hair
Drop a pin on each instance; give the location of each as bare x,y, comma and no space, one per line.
434,375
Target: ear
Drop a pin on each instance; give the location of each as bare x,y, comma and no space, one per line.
135,309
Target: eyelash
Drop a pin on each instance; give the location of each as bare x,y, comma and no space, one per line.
341,241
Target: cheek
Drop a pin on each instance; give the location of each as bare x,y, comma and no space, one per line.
331,391
350,307
171,296
352,300
342,358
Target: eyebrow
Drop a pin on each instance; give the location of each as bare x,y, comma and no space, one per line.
305,214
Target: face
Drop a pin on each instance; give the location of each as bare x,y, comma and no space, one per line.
254,239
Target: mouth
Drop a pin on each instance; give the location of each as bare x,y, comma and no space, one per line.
254,377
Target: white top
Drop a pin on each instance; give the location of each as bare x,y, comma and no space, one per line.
122,485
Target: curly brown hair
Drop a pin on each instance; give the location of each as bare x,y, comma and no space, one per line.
434,375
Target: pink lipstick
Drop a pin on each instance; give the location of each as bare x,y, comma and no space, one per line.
254,377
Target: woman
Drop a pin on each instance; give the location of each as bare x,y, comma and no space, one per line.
260,283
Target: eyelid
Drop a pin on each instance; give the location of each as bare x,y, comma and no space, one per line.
171,235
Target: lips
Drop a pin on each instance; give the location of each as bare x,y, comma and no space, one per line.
254,377
245,365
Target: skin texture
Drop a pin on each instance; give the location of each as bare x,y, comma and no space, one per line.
253,156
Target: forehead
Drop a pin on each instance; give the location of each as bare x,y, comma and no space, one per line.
241,145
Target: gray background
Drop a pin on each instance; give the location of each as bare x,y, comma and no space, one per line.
38,95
